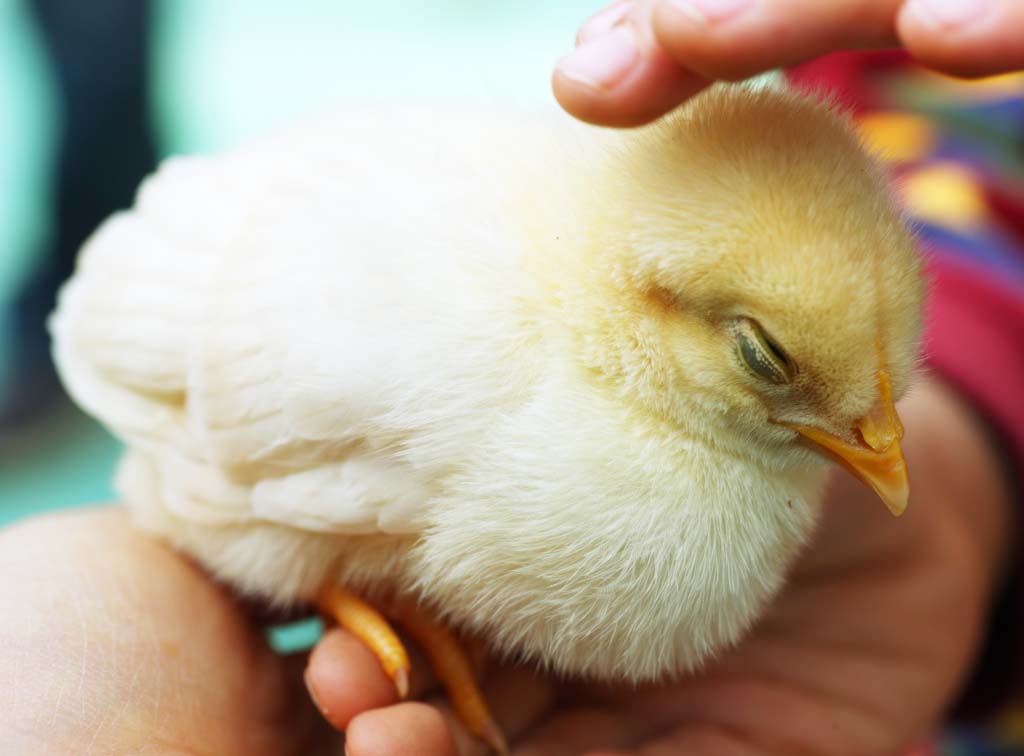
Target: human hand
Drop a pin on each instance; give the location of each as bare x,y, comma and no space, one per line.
637,59
110,643
860,654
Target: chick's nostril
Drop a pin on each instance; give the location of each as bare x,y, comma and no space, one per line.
870,438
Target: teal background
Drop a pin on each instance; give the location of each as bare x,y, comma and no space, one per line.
225,70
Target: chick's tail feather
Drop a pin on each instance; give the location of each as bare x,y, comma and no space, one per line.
122,325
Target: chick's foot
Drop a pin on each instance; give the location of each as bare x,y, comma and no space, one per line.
443,651
370,627
453,669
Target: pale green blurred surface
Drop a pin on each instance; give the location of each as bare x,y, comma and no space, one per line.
224,70
27,132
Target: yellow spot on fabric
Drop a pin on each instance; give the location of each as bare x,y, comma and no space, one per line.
945,194
897,137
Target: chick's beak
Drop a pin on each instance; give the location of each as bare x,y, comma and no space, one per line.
878,459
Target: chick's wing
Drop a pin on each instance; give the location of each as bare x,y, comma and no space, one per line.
199,329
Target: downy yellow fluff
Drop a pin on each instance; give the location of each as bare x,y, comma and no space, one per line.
493,361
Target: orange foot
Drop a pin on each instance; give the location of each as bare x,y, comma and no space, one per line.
439,645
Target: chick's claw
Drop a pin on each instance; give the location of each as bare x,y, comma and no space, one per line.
370,627
444,652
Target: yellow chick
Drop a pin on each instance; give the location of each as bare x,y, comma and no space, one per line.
568,389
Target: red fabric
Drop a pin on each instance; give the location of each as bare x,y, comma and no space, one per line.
848,77
1007,204
975,339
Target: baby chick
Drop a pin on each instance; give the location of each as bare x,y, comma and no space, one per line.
567,389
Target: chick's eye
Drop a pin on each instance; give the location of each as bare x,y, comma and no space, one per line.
762,355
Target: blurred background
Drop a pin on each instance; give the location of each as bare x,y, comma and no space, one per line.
96,92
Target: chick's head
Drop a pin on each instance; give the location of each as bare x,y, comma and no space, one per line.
766,291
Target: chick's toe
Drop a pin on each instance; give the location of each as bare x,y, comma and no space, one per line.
446,655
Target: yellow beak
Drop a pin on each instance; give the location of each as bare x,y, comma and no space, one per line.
878,459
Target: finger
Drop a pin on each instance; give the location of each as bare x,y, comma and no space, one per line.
344,678
603,21
618,75
735,39
405,729
518,699
967,37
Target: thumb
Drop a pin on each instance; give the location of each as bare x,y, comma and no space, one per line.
619,75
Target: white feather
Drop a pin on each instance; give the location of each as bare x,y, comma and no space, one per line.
347,353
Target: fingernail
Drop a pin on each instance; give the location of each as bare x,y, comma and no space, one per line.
944,14
604,61
703,11
604,20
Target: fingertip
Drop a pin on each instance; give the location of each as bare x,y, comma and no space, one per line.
975,38
652,89
405,729
345,679
617,75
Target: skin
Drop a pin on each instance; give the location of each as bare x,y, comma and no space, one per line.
121,646
678,54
